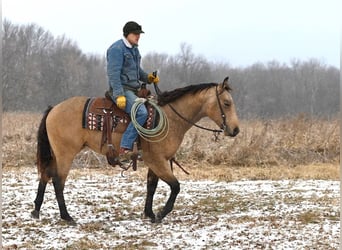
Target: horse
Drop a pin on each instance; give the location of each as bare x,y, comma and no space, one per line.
61,136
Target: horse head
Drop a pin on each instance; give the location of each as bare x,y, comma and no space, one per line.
222,109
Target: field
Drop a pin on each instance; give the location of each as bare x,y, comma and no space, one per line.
274,186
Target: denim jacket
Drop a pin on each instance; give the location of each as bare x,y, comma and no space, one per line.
123,68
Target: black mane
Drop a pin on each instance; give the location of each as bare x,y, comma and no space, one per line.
170,96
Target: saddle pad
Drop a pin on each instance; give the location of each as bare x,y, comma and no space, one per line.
153,117
94,112
96,108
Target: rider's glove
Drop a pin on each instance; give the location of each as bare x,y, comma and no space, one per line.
121,102
152,78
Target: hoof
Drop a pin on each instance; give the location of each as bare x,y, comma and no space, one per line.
69,220
158,218
35,214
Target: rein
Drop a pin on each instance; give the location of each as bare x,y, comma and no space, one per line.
215,131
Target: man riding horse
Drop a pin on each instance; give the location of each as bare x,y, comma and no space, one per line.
59,142
124,76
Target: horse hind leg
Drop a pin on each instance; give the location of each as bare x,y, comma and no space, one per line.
45,163
39,199
45,176
58,182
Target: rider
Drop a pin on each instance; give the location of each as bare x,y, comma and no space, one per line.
124,76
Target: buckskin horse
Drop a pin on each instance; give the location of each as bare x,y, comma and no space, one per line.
61,136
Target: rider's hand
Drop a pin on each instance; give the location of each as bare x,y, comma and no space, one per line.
121,102
152,78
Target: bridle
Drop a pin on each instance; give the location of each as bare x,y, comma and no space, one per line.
224,121
223,116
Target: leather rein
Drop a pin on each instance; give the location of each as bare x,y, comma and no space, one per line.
215,131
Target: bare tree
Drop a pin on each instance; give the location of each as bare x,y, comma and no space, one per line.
39,69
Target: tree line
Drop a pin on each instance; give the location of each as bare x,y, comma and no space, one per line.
40,70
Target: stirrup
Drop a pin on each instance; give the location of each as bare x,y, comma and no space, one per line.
125,155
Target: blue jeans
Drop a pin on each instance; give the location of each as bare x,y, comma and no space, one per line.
131,134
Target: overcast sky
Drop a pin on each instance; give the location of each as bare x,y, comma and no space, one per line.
239,32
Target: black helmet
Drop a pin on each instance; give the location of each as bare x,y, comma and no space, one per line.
132,27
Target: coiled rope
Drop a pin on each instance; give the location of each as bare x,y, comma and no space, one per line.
150,135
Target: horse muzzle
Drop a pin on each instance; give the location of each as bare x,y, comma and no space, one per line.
230,132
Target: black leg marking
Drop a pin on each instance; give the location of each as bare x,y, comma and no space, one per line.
59,187
152,182
175,188
39,199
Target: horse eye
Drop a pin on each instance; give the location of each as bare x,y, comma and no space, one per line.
227,103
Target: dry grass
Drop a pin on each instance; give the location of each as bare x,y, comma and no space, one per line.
292,142
246,214
296,148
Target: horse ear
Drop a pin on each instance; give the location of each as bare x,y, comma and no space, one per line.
225,84
225,81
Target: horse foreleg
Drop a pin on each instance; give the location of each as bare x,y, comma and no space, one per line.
58,184
152,182
175,188
39,199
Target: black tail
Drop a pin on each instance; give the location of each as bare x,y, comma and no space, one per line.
44,155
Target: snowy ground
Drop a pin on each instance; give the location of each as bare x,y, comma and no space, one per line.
108,208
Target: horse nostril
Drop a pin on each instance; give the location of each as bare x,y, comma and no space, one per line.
236,131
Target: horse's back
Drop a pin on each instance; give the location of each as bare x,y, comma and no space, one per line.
73,104
68,111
